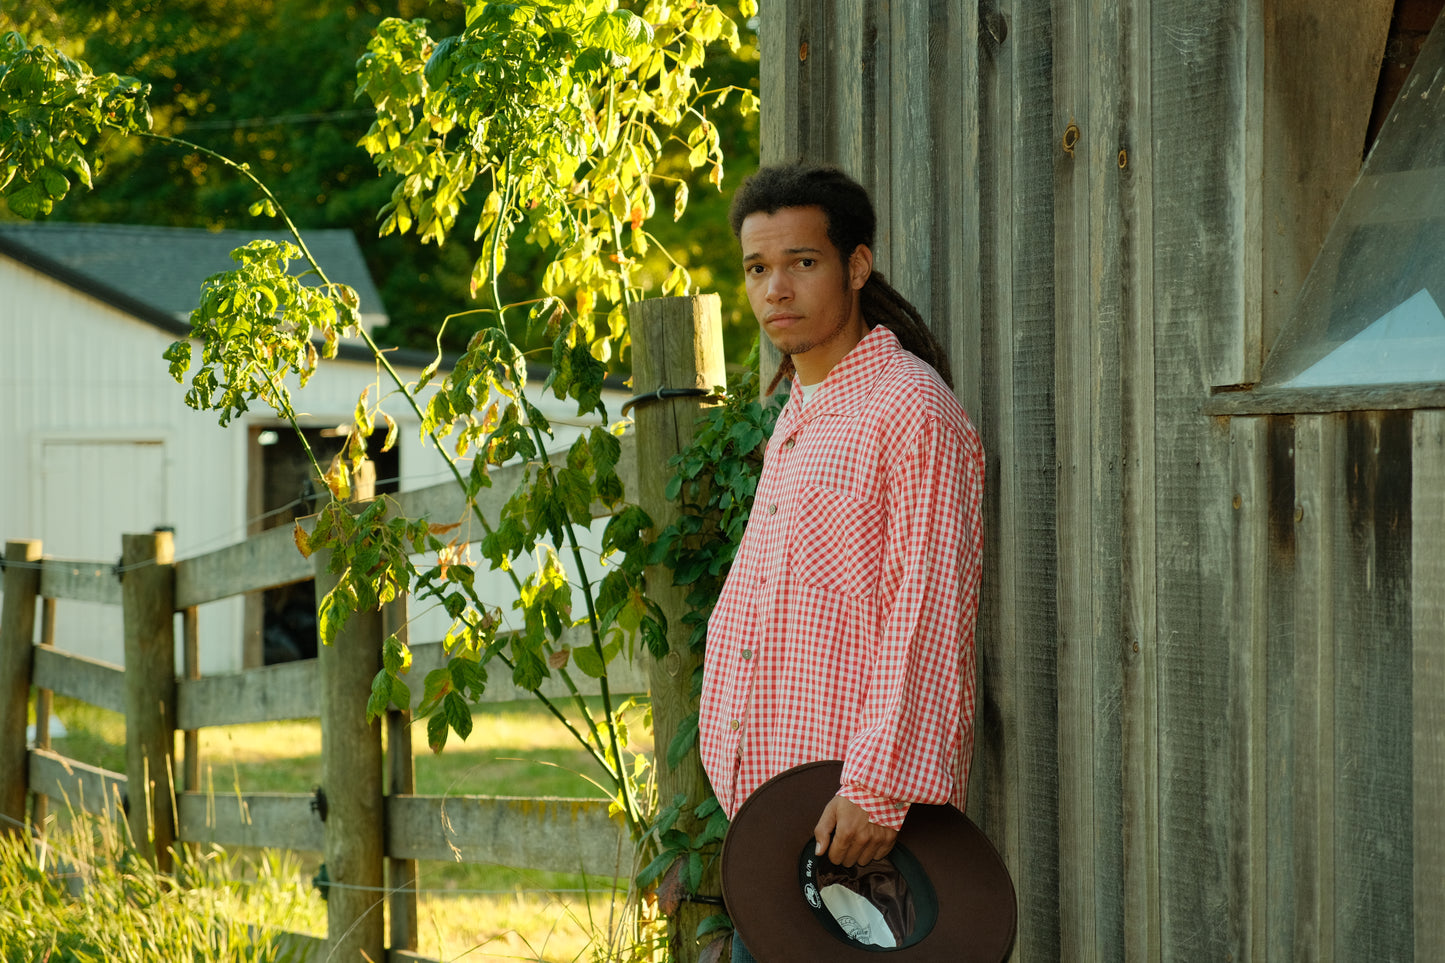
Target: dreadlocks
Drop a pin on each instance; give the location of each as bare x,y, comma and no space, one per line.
851,222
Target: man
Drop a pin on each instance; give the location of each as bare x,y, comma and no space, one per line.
845,628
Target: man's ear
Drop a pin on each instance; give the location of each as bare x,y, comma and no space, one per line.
860,267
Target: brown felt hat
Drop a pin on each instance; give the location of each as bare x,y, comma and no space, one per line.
959,903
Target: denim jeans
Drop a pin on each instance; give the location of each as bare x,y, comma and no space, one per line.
740,952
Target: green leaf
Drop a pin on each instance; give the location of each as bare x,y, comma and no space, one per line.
438,683
436,732
653,870
333,612
712,924
29,201
395,656
458,714
586,659
679,201
683,740
694,871
400,694
380,698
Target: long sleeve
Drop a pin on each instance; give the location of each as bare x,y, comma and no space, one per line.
917,718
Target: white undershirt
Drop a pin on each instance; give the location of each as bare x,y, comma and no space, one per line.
807,391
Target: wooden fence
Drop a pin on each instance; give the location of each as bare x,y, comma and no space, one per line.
372,831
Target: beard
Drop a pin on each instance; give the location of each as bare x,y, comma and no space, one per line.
790,343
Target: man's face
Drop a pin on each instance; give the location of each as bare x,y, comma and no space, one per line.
804,294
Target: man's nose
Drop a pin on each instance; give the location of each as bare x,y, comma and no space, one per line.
780,288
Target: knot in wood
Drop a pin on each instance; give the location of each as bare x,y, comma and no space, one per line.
1071,138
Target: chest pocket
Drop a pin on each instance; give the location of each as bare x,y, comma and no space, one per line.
838,541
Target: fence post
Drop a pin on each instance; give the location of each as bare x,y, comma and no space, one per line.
351,772
148,594
676,343
17,637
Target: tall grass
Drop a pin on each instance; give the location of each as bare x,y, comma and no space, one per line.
80,895
469,912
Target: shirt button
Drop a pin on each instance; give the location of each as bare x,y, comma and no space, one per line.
747,654
772,509
735,725
789,443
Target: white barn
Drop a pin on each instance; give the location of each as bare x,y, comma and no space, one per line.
96,440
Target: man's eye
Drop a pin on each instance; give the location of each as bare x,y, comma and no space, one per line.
806,262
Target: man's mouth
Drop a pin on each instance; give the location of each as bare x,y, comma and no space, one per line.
782,320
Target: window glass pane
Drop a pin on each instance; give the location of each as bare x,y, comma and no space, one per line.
1371,309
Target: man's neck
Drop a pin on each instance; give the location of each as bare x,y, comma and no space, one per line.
813,366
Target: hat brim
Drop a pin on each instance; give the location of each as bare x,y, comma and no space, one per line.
977,907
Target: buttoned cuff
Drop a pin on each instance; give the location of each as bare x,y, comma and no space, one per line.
881,810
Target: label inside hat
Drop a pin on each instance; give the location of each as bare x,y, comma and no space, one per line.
859,919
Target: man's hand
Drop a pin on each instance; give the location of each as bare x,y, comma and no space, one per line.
855,840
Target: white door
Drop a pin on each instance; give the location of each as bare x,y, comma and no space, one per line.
91,493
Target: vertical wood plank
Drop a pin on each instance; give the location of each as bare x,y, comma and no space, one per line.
17,641
253,612
781,94
780,35
44,703
955,313
191,667
907,205
1139,733
1318,478
1370,596
1281,694
849,73
1427,611
1197,52
147,589
1248,607
1077,379
995,791
1200,91
351,770
1030,474
401,874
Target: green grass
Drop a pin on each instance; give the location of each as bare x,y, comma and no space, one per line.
81,897
471,912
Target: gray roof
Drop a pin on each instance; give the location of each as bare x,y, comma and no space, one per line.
163,267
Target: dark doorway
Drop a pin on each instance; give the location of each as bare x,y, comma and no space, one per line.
281,622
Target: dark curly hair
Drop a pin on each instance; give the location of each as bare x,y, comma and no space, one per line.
851,222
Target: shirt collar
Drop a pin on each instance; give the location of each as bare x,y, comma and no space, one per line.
850,382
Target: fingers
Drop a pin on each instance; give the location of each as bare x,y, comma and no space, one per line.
823,832
860,846
855,840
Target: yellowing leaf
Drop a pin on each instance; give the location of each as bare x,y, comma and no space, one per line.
303,541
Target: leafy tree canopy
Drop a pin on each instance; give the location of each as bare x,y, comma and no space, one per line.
273,83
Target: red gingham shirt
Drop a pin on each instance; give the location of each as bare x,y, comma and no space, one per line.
845,629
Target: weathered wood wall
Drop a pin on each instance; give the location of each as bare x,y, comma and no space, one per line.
1199,737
